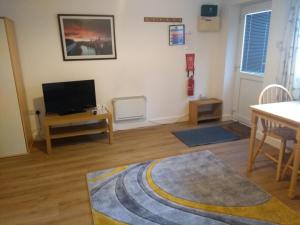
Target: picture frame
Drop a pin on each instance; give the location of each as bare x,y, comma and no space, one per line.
87,37
176,34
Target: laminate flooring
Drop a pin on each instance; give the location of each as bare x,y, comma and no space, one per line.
40,189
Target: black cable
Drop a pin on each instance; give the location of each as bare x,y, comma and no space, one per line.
38,113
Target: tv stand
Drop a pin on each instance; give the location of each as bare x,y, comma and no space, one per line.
70,112
57,126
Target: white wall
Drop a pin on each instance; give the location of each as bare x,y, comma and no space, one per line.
223,73
146,64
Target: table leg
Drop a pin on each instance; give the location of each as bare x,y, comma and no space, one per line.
48,139
110,127
293,182
254,120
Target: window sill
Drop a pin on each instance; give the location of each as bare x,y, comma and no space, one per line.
252,74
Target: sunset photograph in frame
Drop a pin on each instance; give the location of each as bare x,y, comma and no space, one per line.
87,37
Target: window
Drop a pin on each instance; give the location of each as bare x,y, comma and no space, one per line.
256,33
296,84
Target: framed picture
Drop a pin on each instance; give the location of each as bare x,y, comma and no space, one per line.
87,37
176,34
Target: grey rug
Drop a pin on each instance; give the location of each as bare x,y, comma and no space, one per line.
191,189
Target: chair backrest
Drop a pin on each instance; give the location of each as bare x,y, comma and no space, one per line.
271,94
274,93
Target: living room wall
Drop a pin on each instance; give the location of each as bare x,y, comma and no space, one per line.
146,64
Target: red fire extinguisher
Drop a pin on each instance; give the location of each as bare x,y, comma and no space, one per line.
191,86
190,68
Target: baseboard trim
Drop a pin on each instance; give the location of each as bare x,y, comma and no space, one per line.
14,155
244,120
170,119
226,117
126,125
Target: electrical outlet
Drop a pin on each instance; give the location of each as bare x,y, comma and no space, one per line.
31,112
34,112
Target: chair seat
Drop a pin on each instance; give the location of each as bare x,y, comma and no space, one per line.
283,133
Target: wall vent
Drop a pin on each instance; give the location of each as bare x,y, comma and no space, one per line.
129,108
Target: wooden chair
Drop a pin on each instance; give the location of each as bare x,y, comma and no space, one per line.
271,94
289,165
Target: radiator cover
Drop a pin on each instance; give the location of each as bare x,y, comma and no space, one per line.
129,108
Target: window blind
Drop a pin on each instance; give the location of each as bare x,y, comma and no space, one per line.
255,44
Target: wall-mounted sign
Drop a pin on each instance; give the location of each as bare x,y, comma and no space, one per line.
163,19
176,34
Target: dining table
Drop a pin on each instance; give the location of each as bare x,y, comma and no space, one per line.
285,114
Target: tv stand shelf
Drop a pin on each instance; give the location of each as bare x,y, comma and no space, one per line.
97,123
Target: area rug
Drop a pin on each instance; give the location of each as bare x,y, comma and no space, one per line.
191,189
206,135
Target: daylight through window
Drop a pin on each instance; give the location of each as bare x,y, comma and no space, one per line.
255,42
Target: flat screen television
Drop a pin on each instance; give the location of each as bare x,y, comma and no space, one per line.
69,97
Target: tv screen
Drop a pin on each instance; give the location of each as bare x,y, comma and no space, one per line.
69,97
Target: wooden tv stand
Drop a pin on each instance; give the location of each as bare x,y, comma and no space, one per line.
97,123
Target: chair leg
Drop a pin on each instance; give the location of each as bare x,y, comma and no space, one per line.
280,159
289,163
259,148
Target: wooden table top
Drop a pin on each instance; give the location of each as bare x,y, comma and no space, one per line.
84,116
289,111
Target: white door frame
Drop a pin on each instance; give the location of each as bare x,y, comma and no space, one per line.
258,7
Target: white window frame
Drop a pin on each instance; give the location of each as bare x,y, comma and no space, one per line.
243,41
245,10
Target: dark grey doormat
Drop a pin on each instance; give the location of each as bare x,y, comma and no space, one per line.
212,135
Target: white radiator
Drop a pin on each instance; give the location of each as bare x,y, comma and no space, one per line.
129,108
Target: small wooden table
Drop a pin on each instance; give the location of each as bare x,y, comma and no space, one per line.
205,109
76,125
286,114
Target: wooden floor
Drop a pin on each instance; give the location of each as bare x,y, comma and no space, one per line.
39,189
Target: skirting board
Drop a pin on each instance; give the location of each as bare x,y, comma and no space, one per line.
244,120
157,121
15,155
126,125
170,119
226,117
